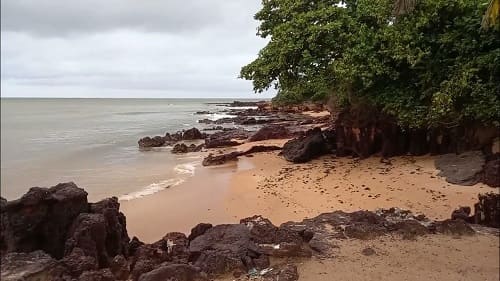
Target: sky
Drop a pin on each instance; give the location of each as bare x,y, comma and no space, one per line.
128,48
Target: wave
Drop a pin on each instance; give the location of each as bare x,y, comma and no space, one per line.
151,189
184,171
216,116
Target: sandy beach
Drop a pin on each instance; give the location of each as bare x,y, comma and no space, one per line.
268,185
436,258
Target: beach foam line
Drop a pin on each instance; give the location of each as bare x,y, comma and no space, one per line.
186,169
151,189
216,116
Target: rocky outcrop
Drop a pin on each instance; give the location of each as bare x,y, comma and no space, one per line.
148,142
192,134
462,169
95,244
226,138
270,132
214,160
183,148
305,148
41,219
491,171
487,210
170,139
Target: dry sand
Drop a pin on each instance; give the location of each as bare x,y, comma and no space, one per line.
268,185
432,257
283,191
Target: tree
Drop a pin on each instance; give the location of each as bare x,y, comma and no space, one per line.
432,66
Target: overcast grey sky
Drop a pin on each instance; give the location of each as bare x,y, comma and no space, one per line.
127,48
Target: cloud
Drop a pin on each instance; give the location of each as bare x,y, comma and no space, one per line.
136,48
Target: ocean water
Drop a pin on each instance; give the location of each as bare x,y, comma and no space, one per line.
93,142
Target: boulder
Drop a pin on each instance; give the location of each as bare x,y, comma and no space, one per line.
223,248
487,210
491,171
97,275
214,160
193,134
177,272
270,132
462,169
41,218
226,138
183,148
305,148
149,142
198,230
35,265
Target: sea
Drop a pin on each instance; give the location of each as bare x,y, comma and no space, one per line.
93,142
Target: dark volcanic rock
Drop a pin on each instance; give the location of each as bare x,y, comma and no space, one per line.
40,219
36,265
198,230
192,134
461,169
491,171
223,248
117,239
305,148
177,272
148,142
487,210
452,227
183,148
270,132
226,138
214,160
97,275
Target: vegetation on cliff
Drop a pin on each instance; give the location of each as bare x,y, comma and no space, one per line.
426,62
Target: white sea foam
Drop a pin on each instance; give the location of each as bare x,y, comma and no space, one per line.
185,169
152,188
215,116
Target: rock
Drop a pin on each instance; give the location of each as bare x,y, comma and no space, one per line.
461,169
491,171
97,275
368,251
226,138
192,134
120,268
487,210
134,244
88,233
452,227
270,132
198,230
40,219
461,213
183,148
287,272
35,265
222,248
305,148
214,160
148,142
77,262
177,272
117,239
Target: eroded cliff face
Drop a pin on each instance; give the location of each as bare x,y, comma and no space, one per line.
55,234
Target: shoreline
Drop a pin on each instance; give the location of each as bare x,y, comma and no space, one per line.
268,185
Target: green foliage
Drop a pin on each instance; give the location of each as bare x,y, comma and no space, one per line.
428,67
